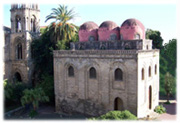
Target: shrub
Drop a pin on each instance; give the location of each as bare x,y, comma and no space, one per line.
47,84
14,91
34,96
116,115
160,109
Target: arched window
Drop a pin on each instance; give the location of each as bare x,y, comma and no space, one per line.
33,24
91,38
121,37
150,97
18,24
155,69
149,71
142,72
17,77
137,36
19,51
92,73
70,71
147,47
118,74
113,37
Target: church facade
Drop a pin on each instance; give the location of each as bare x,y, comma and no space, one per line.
24,27
110,68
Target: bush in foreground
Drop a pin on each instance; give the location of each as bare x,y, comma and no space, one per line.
116,115
160,109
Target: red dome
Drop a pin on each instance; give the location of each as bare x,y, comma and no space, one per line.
88,26
88,31
132,29
108,30
109,25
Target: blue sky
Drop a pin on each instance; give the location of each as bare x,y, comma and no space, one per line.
161,17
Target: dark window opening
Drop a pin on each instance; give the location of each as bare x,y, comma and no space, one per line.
155,69
149,71
150,97
71,71
91,38
19,51
33,24
17,77
92,73
142,72
118,74
113,37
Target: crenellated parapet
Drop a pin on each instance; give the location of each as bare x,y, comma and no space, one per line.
112,45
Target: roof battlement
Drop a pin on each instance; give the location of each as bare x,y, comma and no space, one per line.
112,45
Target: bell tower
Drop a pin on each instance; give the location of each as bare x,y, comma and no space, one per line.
24,28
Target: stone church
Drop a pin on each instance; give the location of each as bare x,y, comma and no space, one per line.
18,65
110,68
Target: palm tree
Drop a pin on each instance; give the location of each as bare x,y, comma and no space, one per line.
60,29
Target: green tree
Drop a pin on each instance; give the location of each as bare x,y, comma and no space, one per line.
169,85
155,36
60,28
170,51
34,96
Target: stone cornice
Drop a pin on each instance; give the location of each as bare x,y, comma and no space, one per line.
99,53
95,53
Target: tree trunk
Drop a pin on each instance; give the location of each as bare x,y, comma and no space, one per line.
168,97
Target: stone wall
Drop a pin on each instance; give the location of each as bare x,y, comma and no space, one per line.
95,96
146,60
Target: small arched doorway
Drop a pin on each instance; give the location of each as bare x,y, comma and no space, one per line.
150,97
17,77
118,104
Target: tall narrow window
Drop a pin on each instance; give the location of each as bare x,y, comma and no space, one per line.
147,47
155,69
118,74
33,24
19,51
142,72
92,73
149,71
70,71
18,24
121,37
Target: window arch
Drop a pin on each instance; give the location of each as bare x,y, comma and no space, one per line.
118,74
18,24
113,37
92,73
142,74
91,38
17,77
33,24
155,69
19,51
71,71
137,36
149,71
